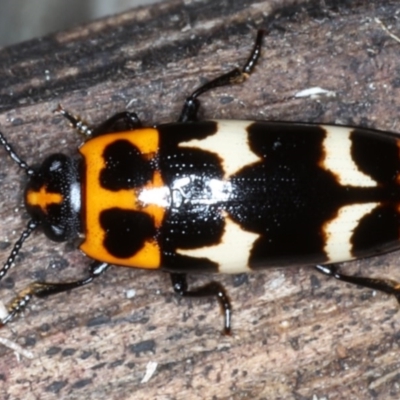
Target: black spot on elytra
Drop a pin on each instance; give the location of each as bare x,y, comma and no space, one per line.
126,231
126,167
376,155
378,230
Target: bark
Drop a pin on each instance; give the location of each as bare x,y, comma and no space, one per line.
296,334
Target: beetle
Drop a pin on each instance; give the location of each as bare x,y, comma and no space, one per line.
227,196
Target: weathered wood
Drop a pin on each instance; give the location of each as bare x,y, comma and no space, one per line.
296,334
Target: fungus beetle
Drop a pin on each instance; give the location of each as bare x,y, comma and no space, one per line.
216,196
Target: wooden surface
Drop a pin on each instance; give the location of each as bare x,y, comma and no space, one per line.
296,334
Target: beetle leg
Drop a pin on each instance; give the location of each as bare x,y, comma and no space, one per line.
388,286
212,289
120,122
44,289
123,121
237,75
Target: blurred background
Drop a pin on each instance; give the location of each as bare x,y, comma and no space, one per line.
25,19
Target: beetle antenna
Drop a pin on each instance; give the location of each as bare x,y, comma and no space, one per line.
32,225
21,163
80,126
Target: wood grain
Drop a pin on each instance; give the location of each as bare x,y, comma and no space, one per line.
297,335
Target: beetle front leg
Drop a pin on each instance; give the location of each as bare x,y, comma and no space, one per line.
44,289
212,289
388,286
123,121
120,122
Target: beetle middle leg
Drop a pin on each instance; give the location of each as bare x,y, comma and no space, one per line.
388,286
212,289
237,75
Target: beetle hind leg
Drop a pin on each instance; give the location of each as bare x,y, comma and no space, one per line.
388,286
212,289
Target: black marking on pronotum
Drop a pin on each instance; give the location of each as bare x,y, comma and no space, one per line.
216,196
